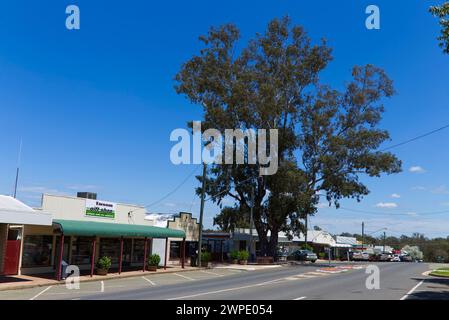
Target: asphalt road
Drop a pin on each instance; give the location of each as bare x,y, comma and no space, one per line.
300,282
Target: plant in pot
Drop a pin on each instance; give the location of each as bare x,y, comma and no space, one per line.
153,262
235,257
205,258
243,257
103,265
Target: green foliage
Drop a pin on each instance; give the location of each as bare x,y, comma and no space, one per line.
442,13
307,247
154,260
205,256
234,255
321,255
104,263
328,139
243,255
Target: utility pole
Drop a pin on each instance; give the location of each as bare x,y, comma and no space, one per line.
307,228
385,238
203,190
363,234
251,222
18,168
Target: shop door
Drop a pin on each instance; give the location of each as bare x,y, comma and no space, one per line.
12,256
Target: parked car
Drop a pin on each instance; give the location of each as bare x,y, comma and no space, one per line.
385,256
303,255
396,258
360,256
406,258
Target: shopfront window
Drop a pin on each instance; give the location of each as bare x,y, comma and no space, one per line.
110,248
37,251
175,249
81,250
139,250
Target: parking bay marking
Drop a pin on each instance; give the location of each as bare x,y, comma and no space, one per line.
212,273
412,290
300,298
42,292
149,281
183,276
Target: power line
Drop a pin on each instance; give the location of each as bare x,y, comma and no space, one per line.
395,213
416,138
175,189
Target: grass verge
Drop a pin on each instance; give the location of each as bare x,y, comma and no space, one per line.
443,272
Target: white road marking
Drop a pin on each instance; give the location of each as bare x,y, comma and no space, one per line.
317,273
224,290
300,298
148,280
102,286
412,290
183,276
212,273
42,292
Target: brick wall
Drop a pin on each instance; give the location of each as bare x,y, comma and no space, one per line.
3,239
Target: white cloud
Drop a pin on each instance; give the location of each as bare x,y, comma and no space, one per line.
322,205
441,190
416,169
386,205
395,195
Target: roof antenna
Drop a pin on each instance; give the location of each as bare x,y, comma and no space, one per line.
18,168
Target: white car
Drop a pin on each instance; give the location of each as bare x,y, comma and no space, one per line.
396,258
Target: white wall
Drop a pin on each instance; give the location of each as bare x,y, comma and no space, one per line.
72,208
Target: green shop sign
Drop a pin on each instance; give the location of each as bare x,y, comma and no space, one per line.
102,209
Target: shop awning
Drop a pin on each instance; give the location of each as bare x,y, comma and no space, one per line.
103,229
12,211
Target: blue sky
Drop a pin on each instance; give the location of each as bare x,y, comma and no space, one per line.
95,106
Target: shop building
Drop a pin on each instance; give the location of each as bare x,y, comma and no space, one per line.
85,229
14,217
190,226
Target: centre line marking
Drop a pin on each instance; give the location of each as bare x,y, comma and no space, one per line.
412,290
102,286
42,292
225,290
148,280
185,277
300,298
213,273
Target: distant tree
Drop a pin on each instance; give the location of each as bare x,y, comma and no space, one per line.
317,228
231,218
442,13
414,252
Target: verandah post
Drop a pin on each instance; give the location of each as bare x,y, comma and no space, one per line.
61,252
92,261
145,254
121,256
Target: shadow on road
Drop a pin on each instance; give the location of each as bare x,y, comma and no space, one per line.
432,289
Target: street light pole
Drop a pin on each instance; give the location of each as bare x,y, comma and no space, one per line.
203,190
251,222
363,234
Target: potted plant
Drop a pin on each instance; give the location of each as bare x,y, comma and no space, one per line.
153,262
235,257
322,255
103,265
243,257
205,258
